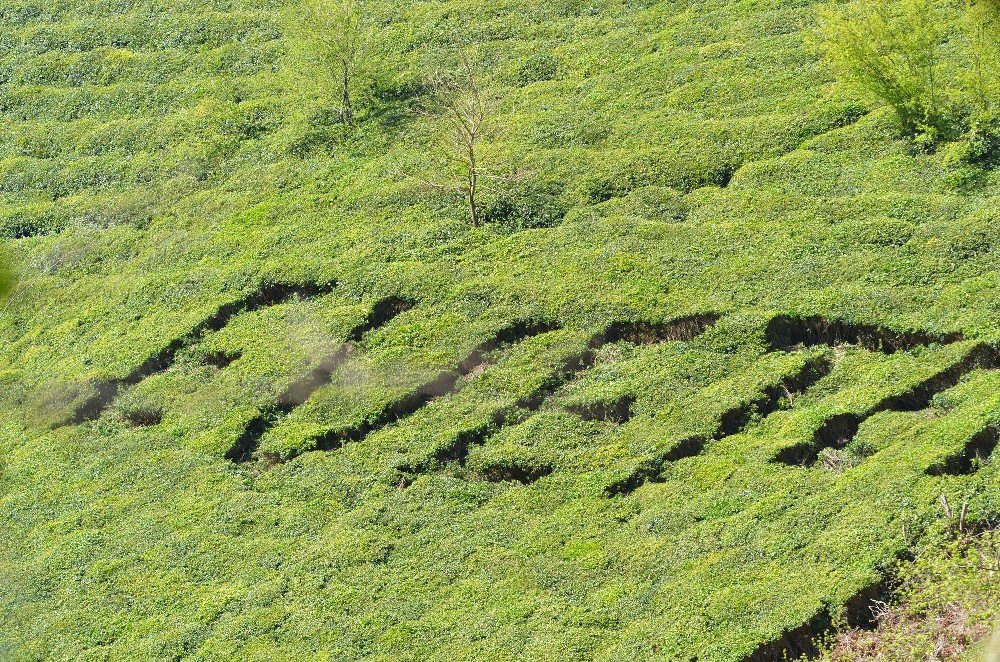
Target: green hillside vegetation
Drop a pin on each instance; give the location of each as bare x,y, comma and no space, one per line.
692,386
941,607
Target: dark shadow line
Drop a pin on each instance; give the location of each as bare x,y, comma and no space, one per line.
840,430
683,329
302,389
267,295
788,331
730,422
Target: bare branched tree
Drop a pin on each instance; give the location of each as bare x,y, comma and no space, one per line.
467,112
338,34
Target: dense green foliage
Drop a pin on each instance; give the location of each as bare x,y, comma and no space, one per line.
504,466
892,52
936,64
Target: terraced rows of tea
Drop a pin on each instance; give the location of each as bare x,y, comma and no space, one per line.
698,382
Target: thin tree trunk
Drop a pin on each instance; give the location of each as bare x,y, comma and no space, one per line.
473,208
346,112
473,185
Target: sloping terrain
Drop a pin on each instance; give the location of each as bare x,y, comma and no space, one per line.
699,382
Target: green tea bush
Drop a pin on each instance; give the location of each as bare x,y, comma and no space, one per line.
538,67
981,143
525,205
681,170
7,278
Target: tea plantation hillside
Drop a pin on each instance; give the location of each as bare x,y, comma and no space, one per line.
699,380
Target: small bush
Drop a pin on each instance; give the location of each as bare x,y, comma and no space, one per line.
655,167
945,602
652,202
981,143
537,68
248,121
526,206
